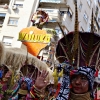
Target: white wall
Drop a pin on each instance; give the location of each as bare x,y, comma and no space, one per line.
23,13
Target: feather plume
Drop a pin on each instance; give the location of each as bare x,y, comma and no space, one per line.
76,34
92,26
90,43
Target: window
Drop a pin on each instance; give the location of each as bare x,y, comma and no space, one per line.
69,13
99,2
89,2
74,1
65,29
62,13
94,28
80,6
96,12
7,40
19,3
2,17
82,29
89,27
53,20
99,18
59,33
13,21
85,16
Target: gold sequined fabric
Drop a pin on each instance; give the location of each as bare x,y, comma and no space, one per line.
85,96
23,92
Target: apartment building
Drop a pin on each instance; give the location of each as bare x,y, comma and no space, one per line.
96,7
66,13
15,15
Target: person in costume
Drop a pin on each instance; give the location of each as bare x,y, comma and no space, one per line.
5,76
81,82
22,89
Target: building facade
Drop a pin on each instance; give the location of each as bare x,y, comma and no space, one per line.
15,15
66,13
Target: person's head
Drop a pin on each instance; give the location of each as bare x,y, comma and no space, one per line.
6,73
82,80
25,83
80,84
4,69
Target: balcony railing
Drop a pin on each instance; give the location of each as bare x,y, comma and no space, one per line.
54,14
54,1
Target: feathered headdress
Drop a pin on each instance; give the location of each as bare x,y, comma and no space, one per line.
80,48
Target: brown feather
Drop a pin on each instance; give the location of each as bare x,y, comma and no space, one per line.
76,34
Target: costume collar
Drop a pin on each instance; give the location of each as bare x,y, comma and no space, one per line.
23,92
85,96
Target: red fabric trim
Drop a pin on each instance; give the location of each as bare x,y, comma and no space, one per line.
58,89
32,91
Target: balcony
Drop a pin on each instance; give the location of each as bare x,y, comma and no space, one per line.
54,14
55,4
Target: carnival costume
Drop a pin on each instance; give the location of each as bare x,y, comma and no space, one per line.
18,91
